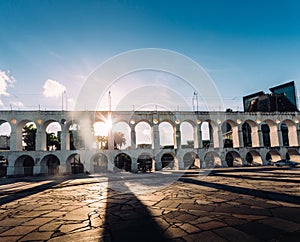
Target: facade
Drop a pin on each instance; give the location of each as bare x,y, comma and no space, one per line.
281,99
250,138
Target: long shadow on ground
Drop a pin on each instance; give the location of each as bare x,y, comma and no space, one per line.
127,218
10,196
247,191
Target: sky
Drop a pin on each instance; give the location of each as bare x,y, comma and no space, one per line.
48,49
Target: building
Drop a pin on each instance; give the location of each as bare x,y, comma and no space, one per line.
281,99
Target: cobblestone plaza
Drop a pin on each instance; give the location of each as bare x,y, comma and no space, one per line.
226,204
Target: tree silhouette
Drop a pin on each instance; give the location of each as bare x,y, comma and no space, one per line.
53,142
29,134
119,139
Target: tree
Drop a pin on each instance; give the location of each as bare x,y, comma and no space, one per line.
119,139
102,142
29,134
53,142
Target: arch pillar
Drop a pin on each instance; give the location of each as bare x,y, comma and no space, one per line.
240,136
198,137
155,137
255,136
298,134
37,169
64,138
260,136
220,137
10,171
110,140
13,139
279,134
177,137
134,164
133,138
18,140
40,139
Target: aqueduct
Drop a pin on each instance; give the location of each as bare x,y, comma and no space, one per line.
235,139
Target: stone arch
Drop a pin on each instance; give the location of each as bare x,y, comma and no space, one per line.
191,160
100,131
5,133
166,134
271,133
233,158
212,159
3,166
145,162
227,134
74,164
187,129
254,137
230,136
122,162
56,132
100,163
210,130
76,141
253,158
168,161
121,132
246,130
273,156
20,145
143,131
290,133
24,165
50,165
293,155
265,129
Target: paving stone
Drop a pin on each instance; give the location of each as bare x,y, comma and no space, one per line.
190,229
281,224
211,225
155,212
31,214
38,221
37,236
51,226
206,236
54,214
182,210
175,232
162,223
19,230
234,235
260,231
249,216
10,238
293,214
13,221
89,235
185,217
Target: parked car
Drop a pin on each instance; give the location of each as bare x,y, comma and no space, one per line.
285,163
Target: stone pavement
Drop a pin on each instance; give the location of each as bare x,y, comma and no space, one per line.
232,204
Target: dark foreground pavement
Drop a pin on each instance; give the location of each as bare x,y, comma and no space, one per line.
242,204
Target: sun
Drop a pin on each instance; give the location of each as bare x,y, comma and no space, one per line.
102,128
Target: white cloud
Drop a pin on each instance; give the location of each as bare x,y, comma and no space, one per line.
5,80
53,88
17,104
1,104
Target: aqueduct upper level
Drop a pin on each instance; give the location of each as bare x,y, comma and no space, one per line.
246,129
235,132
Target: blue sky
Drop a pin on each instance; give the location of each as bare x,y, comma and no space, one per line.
47,47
